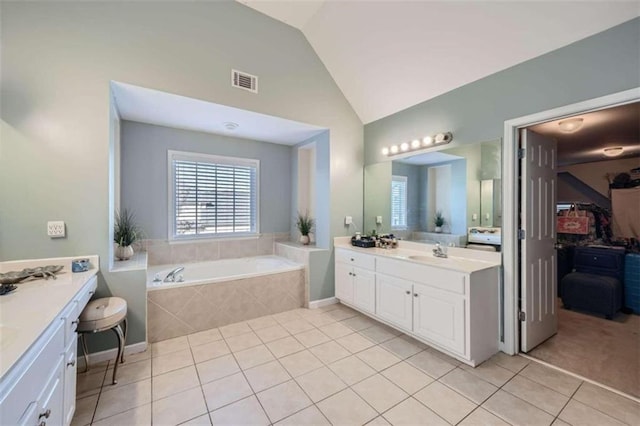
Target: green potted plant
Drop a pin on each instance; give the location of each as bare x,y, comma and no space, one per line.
305,226
439,221
126,231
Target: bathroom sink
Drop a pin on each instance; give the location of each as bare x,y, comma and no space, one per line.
426,259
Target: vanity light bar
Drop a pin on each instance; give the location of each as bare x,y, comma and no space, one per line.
418,144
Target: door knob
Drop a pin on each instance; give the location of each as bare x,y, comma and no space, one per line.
415,294
71,363
408,292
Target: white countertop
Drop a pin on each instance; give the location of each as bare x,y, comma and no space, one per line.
29,310
459,259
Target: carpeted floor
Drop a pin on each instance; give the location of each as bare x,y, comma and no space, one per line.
601,350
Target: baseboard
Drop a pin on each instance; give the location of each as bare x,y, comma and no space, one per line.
322,302
110,354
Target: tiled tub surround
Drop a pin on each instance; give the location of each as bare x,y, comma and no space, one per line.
333,366
162,252
173,312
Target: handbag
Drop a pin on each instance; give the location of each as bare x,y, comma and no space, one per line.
573,224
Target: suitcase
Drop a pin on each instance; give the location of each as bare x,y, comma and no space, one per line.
632,282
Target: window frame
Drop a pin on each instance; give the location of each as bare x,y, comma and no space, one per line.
215,159
405,180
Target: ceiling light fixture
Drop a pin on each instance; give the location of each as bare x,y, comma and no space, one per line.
613,151
571,125
417,144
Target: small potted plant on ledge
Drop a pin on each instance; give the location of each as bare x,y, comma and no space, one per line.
439,221
125,233
305,226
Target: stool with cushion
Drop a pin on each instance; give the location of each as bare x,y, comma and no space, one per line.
107,313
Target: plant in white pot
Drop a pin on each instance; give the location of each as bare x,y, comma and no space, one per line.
439,221
126,231
305,226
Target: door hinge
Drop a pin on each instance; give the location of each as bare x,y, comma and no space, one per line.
521,234
522,316
521,153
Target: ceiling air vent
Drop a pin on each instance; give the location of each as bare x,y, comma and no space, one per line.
245,81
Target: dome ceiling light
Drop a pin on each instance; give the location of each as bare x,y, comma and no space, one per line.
613,151
571,125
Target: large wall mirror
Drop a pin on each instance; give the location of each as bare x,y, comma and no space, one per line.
461,184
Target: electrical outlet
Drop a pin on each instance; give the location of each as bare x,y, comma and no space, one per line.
474,216
55,229
348,220
378,220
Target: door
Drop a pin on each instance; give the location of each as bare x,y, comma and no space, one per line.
364,290
538,278
344,282
394,300
439,316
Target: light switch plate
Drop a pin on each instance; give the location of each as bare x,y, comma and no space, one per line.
348,220
56,229
379,220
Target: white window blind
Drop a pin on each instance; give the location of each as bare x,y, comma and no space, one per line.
212,195
399,202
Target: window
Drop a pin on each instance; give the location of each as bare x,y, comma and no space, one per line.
212,196
399,202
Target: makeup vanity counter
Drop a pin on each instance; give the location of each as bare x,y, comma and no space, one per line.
449,303
38,342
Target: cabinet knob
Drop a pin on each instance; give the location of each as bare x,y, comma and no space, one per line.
408,292
350,273
43,423
415,294
76,321
71,363
46,414
352,259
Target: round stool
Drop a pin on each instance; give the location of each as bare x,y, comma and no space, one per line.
103,314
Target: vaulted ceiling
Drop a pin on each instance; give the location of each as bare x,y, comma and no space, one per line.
390,55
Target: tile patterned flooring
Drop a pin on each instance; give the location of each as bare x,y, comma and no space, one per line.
333,366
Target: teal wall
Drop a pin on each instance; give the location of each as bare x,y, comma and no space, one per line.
602,64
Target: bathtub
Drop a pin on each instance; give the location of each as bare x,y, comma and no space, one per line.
220,270
221,292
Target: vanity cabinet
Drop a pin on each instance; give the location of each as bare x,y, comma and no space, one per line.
453,311
40,389
355,279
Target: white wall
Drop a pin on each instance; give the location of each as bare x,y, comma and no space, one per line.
57,61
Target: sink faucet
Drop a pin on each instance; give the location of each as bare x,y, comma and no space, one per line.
439,251
171,276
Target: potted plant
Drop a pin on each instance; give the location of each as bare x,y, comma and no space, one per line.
125,233
439,221
305,226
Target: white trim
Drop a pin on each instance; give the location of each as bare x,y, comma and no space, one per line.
577,376
110,354
322,302
511,344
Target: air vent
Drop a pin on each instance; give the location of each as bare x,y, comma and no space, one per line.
245,81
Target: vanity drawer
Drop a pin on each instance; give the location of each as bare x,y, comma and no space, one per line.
424,274
361,260
87,292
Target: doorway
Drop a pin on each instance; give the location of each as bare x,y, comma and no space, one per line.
536,262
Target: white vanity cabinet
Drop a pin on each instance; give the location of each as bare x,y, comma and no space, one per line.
355,279
40,388
451,310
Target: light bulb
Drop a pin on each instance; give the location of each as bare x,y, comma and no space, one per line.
404,146
427,140
385,151
394,149
415,143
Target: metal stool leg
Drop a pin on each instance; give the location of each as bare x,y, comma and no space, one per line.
118,332
126,328
85,352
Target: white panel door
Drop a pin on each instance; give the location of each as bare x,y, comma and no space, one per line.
537,250
439,316
344,282
364,290
394,300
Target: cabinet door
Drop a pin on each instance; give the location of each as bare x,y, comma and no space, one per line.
70,368
364,290
50,405
394,300
344,282
439,316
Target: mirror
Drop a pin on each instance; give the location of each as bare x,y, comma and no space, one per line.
463,184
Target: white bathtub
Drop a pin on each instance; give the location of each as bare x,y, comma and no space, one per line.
220,270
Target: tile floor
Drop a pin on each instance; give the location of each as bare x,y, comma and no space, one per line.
333,366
